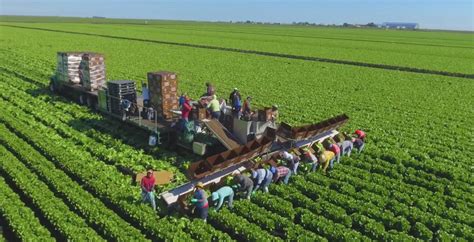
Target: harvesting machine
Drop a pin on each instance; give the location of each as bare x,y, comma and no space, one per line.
224,146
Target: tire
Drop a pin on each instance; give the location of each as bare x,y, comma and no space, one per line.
82,100
52,88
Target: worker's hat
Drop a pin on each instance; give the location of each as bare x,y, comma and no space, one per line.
200,185
235,173
149,171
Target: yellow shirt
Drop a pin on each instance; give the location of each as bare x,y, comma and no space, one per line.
214,106
327,156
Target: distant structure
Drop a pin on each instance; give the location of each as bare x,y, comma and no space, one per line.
395,25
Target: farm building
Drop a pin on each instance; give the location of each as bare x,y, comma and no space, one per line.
394,25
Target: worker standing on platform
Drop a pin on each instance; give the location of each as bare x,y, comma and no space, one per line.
246,109
210,90
214,107
281,172
145,96
221,194
360,134
236,102
336,150
262,178
182,99
200,201
274,114
148,184
243,184
186,109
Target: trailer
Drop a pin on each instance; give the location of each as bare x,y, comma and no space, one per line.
225,146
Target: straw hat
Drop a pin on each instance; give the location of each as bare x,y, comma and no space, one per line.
200,185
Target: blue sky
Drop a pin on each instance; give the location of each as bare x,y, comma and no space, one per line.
434,14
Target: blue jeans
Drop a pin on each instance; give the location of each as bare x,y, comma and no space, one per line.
216,115
331,163
314,166
149,197
338,157
287,177
202,213
361,148
347,151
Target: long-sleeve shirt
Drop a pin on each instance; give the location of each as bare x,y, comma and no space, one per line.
147,183
244,181
346,144
310,157
221,194
281,171
335,148
261,175
214,105
145,93
287,156
246,107
327,156
360,133
201,196
358,142
185,110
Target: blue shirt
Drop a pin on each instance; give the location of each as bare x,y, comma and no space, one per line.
201,196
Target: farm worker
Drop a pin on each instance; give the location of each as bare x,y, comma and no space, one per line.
281,172
200,201
210,90
262,178
310,157
185,109
223,108
327,159
243,184
346,147
182,99
246,110
337,151
145,95
358,144
360,134
274,113
236,102
221,194
293,161
148,184
214,107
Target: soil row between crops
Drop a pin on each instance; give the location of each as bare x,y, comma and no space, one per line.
270,54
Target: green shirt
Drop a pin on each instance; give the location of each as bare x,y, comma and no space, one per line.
214,106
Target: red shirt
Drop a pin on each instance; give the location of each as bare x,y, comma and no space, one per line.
360,133
148,183
185,110
335,148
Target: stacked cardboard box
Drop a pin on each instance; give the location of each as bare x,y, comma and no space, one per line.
163,92
68,66
119,91
92,71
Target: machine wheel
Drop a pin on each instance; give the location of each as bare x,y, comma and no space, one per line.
52,88
82,100
89,102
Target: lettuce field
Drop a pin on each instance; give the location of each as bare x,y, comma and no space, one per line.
65,170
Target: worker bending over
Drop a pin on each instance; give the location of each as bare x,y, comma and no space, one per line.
336,150
221,194
346,147
148,184
281,172
293,161
200,201
358,144
311,158
360,134
326,159
243,184
262,179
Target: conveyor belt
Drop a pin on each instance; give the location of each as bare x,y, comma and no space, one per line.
222,134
